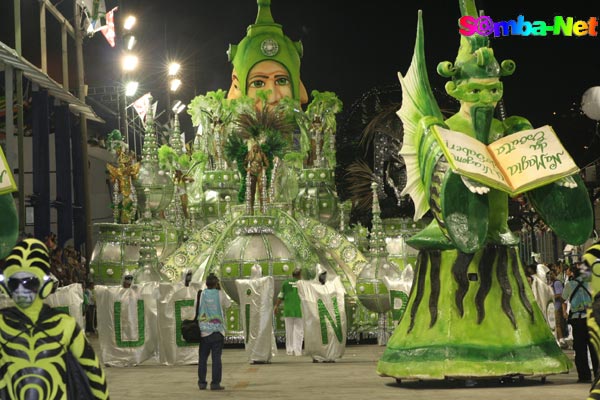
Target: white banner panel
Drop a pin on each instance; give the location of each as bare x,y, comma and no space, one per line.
176,303
324,317
69,299
127,323
256,313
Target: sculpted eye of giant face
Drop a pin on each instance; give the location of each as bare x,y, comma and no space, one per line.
268,76
271,76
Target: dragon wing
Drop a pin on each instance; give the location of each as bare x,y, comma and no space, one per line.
418,101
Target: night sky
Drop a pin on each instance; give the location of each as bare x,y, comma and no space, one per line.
352,48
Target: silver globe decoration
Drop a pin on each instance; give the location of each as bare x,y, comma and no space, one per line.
257,243
371,288
317,197
148,266
116,250
151,177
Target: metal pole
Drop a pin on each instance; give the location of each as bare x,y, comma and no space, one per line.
119,111
126,120
44,53
83,125
20,119
65,56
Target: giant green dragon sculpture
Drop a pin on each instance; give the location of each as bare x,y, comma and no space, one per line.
471,312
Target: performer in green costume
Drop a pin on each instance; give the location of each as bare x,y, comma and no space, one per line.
42,348
471,312
266,59
592,261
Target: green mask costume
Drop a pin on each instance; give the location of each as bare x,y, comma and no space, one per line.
265,41
38,342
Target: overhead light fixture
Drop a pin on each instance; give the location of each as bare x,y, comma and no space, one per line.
175,83
174,68
130,42
129,22
130,62
131,88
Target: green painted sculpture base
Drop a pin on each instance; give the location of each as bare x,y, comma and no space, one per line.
471,315
9,224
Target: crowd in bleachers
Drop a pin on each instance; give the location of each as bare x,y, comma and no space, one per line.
66,264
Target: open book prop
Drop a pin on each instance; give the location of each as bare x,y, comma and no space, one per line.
529,162
514,164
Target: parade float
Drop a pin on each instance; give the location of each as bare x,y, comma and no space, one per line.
471,313
255,189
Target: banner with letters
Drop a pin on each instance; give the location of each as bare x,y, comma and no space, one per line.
176,303
324,316
127,323
256,311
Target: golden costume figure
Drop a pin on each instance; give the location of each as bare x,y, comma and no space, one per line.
123,175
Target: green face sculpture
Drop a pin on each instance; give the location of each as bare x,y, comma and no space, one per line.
475,73
478,91
266,44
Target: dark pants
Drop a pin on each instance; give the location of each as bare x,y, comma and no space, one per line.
212,344
90,319
581,345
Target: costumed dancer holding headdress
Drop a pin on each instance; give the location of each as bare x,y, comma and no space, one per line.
470,311
42,348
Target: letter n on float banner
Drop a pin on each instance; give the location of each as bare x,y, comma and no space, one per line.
324,316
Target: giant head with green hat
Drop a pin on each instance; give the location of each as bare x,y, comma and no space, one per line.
266,59
475,62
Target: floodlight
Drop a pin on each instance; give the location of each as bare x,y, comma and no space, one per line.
174,84
129,22
131,88
130,62
174,68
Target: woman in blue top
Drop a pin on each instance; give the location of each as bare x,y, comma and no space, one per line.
577,293
212,327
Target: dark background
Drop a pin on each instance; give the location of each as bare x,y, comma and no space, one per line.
348,49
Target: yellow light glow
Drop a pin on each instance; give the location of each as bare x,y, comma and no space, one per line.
129,22
131,88
175,84
174,68
130,62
